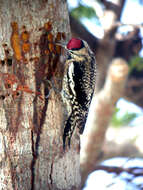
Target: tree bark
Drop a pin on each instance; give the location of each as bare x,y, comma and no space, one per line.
31,126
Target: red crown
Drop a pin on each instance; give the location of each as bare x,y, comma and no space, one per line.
74,43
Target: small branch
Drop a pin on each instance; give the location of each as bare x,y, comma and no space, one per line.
100,113
135,171
129,24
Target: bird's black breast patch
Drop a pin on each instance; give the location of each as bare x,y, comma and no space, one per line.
79,79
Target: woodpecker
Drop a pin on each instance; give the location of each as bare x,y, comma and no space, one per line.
77,86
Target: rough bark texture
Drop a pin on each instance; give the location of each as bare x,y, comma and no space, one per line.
31,127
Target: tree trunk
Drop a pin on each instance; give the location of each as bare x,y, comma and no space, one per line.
31,126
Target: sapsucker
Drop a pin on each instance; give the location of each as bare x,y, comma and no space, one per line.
78,86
